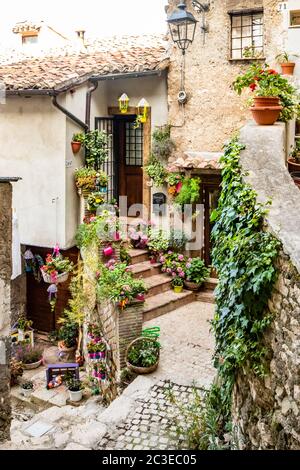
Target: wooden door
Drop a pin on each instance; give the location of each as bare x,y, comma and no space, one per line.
130,157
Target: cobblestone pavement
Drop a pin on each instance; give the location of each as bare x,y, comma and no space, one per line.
151,425
186,360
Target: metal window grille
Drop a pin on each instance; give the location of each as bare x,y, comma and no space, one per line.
247,33
107,124
134,145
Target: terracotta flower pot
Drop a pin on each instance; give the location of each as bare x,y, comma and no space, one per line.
192,285
76,146
293,165
266,110
287,68
296,177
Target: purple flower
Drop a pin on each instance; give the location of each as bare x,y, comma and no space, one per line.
188,265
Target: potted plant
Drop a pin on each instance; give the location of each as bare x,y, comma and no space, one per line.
67,340
189,192
27,388
96,146
85,180
156,171
75,387
57,268
294,159
196,273
77,139
30,356
158,243
174,181
142,355
16,370
287,67
296,178
273,95
102,181
94,201
177,284
23,325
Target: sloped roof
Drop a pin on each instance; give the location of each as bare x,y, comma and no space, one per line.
201,160
26,26
108,56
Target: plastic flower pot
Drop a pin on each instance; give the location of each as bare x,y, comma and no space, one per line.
178,289
90,355
140,297
103,189
26,392
117,236
102,376
75,396
102,355
108,251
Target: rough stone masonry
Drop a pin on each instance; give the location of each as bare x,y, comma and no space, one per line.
5,275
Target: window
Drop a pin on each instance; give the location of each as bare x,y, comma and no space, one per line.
134,145
30,39
295,18
247,35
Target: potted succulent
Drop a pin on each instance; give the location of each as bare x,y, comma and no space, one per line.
27,388
75,387
142,355
294,159
273,95
196,274
77,139
23,325
177,284
85,180
287,67
30,356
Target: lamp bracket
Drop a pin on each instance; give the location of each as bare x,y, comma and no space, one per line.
202,8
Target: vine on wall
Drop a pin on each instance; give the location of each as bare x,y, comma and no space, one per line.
244,256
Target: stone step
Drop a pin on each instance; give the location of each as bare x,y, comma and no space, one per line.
138,256
157,284
145,269
165,302
206,295
211,283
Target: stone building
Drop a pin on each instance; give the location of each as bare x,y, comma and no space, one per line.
213,110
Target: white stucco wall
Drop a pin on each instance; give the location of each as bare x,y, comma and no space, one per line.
292,36
32,136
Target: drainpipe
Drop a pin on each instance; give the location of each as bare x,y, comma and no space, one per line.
88,104
69,114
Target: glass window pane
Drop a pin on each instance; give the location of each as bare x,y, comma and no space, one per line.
246,31
236,54
236,32
236,20
246,20
246,42
236,43
257,30
258,42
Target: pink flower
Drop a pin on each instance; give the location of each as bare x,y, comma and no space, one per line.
181,274
169,270
162,259
188,265
180,257
179,269
163,270
174,274
111,268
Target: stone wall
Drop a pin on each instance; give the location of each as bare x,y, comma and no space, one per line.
5,275
214,111
266,411
18,297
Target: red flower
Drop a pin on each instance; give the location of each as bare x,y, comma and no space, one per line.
252,86
272,72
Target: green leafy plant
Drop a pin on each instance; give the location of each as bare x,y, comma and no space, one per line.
95,200
78,137
144,353
74,385
177,240
189,192
101,227
96,146
263,81
244,256
285,57
177,281
23,323
68,334
196,271
162,144
85,178
158,241
156,171
295,153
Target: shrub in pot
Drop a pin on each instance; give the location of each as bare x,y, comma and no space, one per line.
30,356
274,97
27,388
85,179
177,284
142,355
196,273
76,142
294,159
75,388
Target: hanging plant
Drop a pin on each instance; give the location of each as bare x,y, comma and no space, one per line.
162,144
96,146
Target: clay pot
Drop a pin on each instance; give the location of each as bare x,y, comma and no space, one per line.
192,285
293,165
266,110
76,146
287,68
296,177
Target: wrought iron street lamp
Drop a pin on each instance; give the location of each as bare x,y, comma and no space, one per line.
182,25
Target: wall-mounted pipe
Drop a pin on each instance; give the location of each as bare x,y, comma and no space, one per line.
69,114
88,104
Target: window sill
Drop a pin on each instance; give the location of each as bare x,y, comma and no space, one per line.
250,59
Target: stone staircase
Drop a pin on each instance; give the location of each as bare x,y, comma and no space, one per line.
161,298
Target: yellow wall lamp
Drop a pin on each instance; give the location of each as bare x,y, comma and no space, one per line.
143,110
123,103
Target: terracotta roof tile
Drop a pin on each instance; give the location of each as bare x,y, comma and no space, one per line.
114,55
203,160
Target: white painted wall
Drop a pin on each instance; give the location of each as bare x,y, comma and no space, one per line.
292,36
32,146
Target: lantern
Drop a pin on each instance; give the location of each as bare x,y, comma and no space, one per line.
143,109
182,26
123,103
